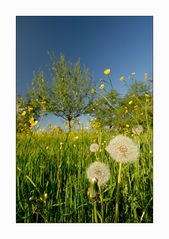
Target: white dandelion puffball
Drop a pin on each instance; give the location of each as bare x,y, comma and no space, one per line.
137,129
94,147
123,149
98,171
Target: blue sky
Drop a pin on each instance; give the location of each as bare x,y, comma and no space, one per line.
123,44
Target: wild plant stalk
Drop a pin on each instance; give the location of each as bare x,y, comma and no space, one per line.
64,170
95,211
102,205
117,196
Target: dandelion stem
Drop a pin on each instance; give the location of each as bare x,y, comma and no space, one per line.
95,211
96,156
102,207
117,196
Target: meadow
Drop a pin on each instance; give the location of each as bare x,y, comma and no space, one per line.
52,185
102,173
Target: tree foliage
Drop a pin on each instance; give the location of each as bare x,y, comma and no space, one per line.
69,95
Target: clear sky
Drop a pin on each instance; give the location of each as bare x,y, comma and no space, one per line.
123,44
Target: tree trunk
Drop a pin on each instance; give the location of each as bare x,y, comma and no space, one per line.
69,125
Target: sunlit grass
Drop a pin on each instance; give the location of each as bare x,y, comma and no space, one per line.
51,182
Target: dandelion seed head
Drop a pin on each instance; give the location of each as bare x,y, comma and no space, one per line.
146,77
133,74
94,147
98,171
137,129
94,180
123,149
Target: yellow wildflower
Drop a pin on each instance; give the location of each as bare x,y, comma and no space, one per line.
30,109
47,147
102,86
147,95
33,122
122,78
107,71
126,110
92,91
45,196
130,102
76,137
23,113
127,125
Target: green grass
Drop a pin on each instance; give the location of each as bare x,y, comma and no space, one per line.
60,171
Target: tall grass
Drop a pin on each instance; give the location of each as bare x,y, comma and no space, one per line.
51,183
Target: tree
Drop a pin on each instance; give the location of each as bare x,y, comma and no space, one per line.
104,108
69,95
135,108
138,88
121,114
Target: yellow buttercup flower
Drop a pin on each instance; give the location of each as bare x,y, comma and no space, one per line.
127,125
23,113
92,91
102,86
45,196
30,109
126,110
33,122
107,71
130,102
147,95
121,78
